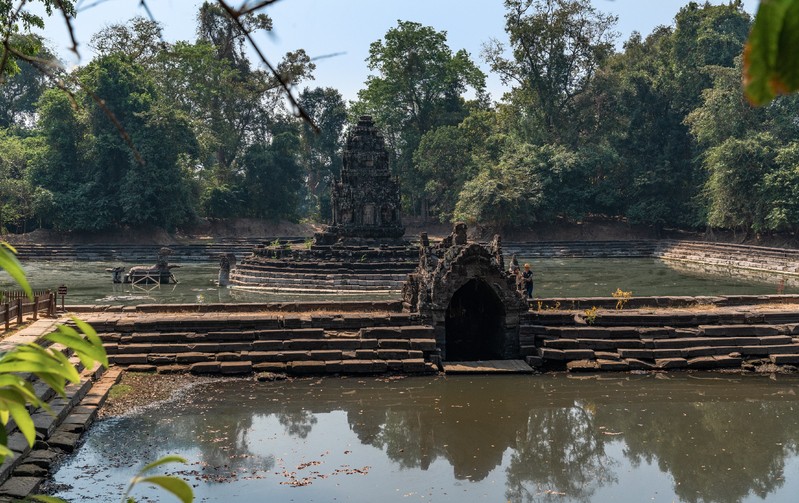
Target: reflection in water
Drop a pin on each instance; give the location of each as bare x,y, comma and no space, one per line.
686,437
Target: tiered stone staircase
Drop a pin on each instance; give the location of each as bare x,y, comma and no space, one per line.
323,277
582,249
241,343
198,252
669,339
756,258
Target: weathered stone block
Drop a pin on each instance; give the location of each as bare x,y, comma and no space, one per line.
142,368
578,354
414,365
394,344
277,367
262,345
64,440
785,359
551,354
231,368
739,330
161,359
134,349
228,357
423,344
30,470
205,368
667,353
394,365
671,363
356,366
385,333
561,344
193,357
635,353
636,364
127,359
325,354
370,343
333,366
392,354
305,344
306,367
344,344
365,354
173,369
581,366
702,362
21,487
613,365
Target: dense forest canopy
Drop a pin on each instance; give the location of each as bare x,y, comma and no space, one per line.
655,130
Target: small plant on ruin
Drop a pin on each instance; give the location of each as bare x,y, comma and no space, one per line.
590,315
275,243
363,258
622,298
308,243
540,305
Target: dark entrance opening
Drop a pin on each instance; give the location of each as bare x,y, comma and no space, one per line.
474,324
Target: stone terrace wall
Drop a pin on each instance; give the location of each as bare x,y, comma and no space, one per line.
662,339
768,263
197,252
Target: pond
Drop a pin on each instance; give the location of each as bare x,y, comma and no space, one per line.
690,437
89,283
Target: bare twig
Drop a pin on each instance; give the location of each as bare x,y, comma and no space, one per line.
68,21
244,9
300,111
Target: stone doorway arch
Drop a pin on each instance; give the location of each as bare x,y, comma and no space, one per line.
474,323
464,292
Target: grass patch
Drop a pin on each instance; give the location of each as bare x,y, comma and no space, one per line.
119,390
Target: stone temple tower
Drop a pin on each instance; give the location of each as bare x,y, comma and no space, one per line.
366,198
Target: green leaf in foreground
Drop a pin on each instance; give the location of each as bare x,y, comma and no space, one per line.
174,485
10,264
771,55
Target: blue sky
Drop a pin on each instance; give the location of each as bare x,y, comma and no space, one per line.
325,27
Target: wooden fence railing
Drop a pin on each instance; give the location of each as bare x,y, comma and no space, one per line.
14,305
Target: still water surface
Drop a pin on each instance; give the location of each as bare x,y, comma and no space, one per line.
89,283
549,438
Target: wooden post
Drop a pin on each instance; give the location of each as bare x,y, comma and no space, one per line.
36,308
8,315
51,306
19,311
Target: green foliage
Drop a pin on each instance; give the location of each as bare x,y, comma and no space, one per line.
771,60
557,46
177,487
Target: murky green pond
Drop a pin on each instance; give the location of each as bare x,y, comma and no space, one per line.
552,438
89,283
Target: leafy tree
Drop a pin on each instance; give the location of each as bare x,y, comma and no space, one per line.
419,86
557,47
449,156
530,184
272,177
321,150
21,91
